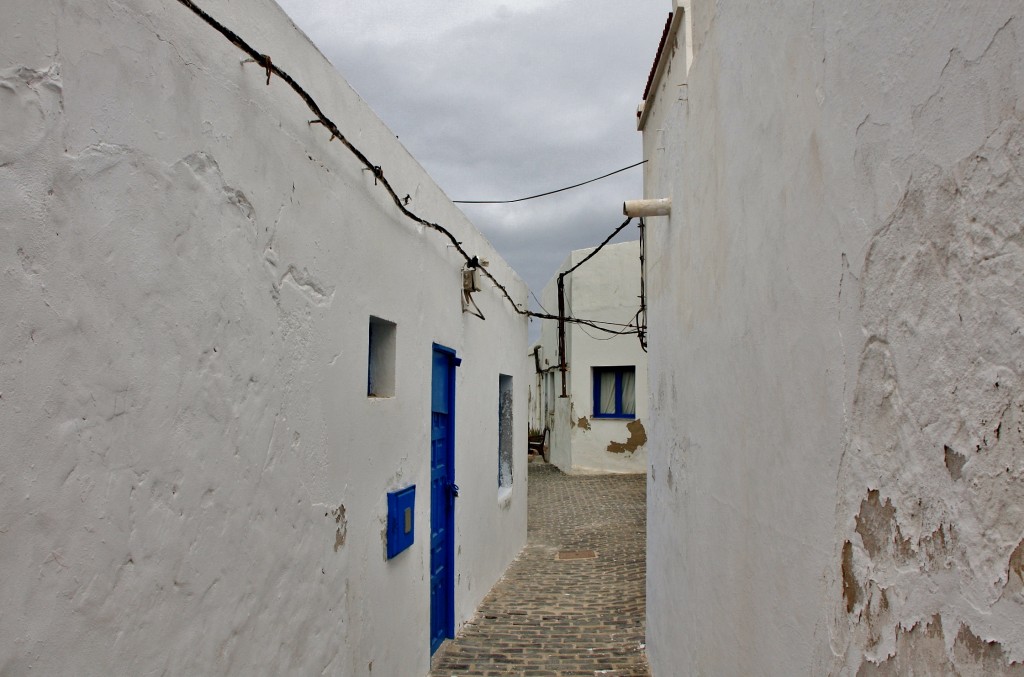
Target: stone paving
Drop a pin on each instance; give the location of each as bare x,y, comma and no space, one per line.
579,615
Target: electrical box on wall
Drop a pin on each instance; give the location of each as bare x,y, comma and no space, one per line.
471,279
401,518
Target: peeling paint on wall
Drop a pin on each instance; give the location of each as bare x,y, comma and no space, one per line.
923,649
851,589
954,462
1015,573
339,519
837,322
637,438
879,530
953,249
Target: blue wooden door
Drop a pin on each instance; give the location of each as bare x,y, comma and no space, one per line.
442,497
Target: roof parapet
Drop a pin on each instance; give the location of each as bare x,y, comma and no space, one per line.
661,59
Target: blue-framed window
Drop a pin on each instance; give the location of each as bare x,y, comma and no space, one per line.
614,392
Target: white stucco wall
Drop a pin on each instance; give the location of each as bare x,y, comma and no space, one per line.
535,393
607,287
836,348
192,478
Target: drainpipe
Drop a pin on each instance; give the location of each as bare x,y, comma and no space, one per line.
641,318
659,207
561,330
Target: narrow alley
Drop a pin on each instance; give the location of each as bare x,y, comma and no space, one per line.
572,603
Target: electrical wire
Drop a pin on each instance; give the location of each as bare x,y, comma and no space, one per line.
550,192
541,305
612,336
264,61
596,324
591,323
641,318
575,320
613,333
599,247
633,328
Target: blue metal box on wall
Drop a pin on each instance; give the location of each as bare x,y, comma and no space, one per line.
401,519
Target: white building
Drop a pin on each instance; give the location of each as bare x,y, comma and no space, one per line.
218,358
599,425
836,343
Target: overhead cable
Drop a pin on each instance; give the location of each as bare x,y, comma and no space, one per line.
265,62
541,305
627,329
550,192
633,330
562,318
600,246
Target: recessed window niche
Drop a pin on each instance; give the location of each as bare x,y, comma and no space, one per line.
380,377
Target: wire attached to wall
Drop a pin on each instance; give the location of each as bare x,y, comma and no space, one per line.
562,318
641,317
599,247
541,305
550,192
630,329
264,61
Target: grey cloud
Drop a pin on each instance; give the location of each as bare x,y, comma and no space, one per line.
515,103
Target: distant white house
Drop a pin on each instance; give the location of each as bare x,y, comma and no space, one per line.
599,425
228,356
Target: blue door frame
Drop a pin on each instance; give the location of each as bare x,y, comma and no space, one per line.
443,491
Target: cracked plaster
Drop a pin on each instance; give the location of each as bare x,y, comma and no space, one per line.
836,350
607,288
191,474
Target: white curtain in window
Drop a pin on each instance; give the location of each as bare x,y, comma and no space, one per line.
629,393
607,392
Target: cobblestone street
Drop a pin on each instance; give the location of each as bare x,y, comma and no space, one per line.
573,601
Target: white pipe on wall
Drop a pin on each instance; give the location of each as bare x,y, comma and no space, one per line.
659,207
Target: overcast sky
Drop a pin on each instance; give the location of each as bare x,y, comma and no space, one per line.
503,99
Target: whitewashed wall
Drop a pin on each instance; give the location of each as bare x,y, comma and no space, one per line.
192,478
536,391
837,350
607,287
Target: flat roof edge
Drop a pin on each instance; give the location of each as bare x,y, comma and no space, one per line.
664,54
